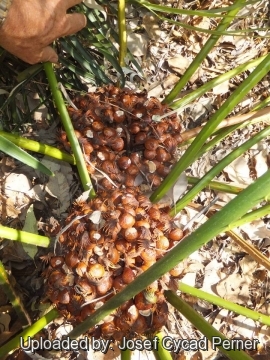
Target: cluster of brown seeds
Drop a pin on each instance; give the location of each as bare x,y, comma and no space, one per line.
113,238
109,242
121,137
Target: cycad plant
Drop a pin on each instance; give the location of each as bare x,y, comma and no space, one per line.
252,202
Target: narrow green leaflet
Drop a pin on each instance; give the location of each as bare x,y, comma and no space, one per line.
215,170
10,149
172,10
216,338
194,149
72,46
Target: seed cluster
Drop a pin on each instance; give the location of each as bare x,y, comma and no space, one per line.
119,235
121,138
110,240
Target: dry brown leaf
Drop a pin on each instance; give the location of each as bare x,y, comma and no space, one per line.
7,208
30,225
244,326
152,27
256,230
168,82
190,279
211,276
238,171
137,44
14,198
58,187
236,287
15,187
261,162
179,64
221,88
